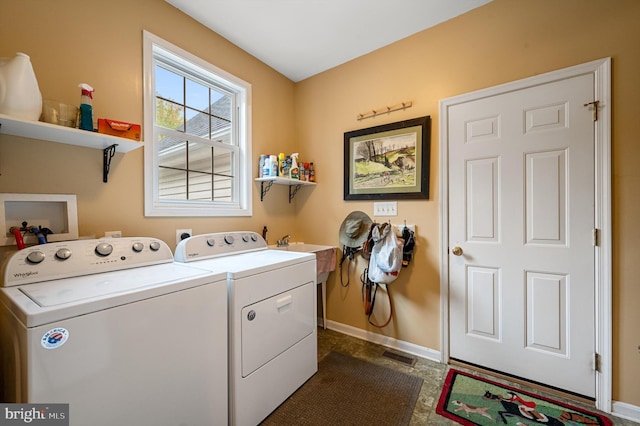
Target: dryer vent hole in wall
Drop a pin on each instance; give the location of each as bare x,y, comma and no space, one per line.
182,234
398,357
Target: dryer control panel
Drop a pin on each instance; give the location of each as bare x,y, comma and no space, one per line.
199,247
68,259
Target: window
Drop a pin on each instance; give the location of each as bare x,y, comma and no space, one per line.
197,135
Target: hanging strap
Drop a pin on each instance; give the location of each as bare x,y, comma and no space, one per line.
369,291
409,243
369,243
368,297
348,253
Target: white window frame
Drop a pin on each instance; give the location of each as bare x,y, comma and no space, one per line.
242,200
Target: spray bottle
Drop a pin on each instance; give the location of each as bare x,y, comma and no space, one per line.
86,108
294,172
281,160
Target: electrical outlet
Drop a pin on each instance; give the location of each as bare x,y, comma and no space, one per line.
389,208
113,234
181,234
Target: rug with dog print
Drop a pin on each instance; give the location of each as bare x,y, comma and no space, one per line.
472,400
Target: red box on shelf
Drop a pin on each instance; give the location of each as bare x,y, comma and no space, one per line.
119,128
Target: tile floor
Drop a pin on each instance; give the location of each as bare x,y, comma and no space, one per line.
432,372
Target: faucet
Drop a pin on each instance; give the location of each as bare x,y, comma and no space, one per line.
284,241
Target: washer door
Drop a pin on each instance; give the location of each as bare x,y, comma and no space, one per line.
273,325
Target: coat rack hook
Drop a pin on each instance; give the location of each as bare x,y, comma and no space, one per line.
385,110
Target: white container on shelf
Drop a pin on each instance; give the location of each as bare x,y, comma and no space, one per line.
20,95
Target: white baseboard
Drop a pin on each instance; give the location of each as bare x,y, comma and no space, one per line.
626,411
619,409
389,342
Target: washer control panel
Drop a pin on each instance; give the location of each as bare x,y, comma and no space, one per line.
67,259
205,246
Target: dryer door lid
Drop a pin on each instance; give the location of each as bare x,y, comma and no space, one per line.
273,325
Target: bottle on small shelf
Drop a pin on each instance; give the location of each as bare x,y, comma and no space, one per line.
294,171
303,173
312,173
86,107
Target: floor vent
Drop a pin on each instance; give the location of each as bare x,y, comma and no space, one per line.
402,358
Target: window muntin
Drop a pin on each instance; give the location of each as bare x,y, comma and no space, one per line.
196,162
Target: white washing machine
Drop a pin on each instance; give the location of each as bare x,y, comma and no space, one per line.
272,318
117,330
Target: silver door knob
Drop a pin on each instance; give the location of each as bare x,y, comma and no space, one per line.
457,251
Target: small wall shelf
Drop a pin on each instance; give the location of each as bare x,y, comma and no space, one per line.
294,185
70,136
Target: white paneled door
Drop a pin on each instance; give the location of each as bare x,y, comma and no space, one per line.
521,233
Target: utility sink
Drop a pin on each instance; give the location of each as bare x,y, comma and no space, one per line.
303,247
325,255
325,263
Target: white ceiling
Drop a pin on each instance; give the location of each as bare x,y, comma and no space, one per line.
300,38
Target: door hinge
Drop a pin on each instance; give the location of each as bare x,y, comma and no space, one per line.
594,237
594,104
596,362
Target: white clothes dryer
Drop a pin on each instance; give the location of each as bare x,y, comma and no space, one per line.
117,330
272,318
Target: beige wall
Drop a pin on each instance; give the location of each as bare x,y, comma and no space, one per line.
500,42
72,42
503,41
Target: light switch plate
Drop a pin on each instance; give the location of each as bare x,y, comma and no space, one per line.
387,208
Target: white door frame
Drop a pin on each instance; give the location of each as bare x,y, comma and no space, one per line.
601,69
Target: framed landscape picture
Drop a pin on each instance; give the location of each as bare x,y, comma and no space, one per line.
388,162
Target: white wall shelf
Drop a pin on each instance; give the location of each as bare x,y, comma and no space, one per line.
67,135
294,185
70,136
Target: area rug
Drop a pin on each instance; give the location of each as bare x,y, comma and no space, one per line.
350,391
472,400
